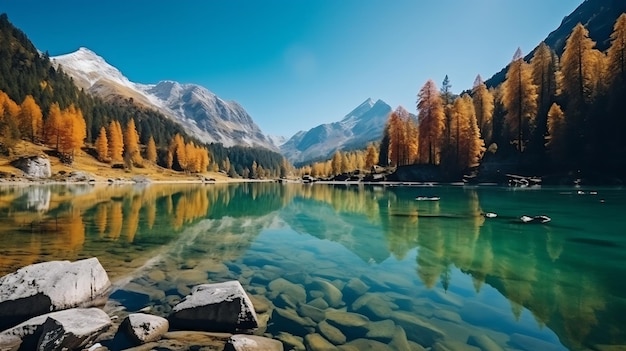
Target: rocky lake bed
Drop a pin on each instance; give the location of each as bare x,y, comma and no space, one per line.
171,307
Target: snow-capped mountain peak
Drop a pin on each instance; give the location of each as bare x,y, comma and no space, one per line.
355,130
202,113
90,67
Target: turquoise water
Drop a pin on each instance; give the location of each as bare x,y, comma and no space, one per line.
428,272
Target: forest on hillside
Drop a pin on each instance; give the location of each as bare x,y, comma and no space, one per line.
39,103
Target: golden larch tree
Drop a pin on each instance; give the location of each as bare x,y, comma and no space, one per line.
616,73
9,121
577,68
73,132
483,106
431,125
52,126
616,55
544,65
31,119
556,142
151,151
476,144
519,97
102,145
131,142
336,163
397,136
412,140
371,156
116,141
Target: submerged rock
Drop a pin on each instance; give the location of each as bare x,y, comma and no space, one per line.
63,330
143,328
241,342
51,286
282,286
316,342
223,307
332,294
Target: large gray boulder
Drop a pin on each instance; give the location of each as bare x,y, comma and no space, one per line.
143,328
220,307
51,286
63,330
34,166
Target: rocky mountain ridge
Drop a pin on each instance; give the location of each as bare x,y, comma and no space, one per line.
202,113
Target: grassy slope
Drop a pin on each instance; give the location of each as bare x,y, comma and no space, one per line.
100,171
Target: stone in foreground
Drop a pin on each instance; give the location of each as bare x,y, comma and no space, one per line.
143,328
51,286
221,307
242,342
64,330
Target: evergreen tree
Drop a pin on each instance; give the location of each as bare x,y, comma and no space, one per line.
383,152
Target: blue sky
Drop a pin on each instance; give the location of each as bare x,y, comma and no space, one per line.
294,64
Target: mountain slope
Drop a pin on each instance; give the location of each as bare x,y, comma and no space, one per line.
598,16
199,111
363,125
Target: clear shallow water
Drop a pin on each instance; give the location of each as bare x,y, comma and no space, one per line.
462,276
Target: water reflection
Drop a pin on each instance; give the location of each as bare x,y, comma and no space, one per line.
550,270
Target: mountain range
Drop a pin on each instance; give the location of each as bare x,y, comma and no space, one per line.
363,125
202,113
214,120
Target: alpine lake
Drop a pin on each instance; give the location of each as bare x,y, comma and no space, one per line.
351,262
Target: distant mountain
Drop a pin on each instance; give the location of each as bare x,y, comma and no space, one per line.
363,125
598,16
202,113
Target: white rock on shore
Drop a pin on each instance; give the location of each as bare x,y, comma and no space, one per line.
51,286
70,329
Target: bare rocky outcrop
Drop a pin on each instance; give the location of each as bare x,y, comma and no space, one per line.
220,307
51,286
34,166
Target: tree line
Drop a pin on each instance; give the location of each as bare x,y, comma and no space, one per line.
550,114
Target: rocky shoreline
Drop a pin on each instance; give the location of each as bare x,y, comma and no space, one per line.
60,305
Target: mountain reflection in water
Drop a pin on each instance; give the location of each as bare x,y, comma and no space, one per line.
567,273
